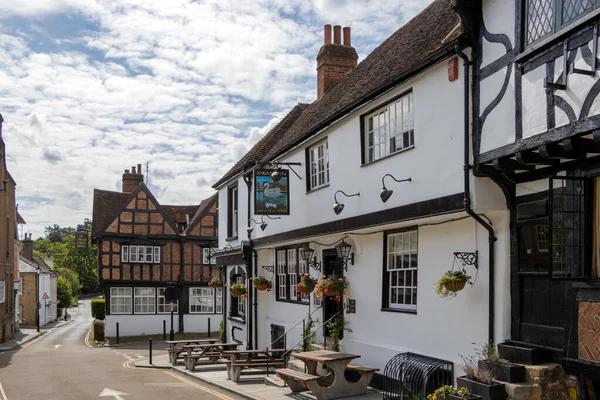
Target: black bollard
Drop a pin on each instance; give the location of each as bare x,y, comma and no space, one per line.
208,334
164,329
117,333
150,349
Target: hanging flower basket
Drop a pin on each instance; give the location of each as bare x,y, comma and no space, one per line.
237,290
332,286
262,283
306,284
455,286
452,282
215,283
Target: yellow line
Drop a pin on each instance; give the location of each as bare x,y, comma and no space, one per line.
31,342
86,341
2,393
219,395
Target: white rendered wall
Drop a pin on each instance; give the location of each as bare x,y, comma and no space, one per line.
499,18
133,325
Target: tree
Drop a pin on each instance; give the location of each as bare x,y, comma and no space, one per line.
72,277
64,292
57,234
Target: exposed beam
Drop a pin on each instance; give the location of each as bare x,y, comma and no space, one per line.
531,158
507,164
596,135
554,150
581,146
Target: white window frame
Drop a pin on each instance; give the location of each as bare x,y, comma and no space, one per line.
203,299
133,254
282,274
162,302
383,131
292,267
318,159
156,254
402,261
2,291
219,300
205,253
303,266
127,305
124,254
147,300
241,302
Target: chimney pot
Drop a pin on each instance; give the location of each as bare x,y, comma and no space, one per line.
327,33
132,180
126,171
133,170
347,41
139,168
337,34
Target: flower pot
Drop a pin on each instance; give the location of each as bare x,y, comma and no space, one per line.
524,354
305,290
487,392
507,372
262,286
455,286
236,293
471,397
331,292
215,284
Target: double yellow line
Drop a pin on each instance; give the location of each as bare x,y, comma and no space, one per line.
203,388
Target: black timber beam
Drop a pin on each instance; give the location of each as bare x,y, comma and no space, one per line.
555,151
532,158
508,164
581,146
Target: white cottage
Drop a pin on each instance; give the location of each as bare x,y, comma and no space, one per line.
402,112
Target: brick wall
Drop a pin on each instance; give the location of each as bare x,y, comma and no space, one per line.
28,298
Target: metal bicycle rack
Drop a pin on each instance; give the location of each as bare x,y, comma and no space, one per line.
408,376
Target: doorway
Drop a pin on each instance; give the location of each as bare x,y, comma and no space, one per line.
277,339
331,307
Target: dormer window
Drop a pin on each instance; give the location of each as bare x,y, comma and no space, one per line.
545,17
140,254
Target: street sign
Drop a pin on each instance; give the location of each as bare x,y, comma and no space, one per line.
113,393
172,293
45,296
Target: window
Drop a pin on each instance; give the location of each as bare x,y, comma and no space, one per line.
304,270
281,275
219,308
202,300
163,305
120,300
142,254
292,271
238,304
318,162
289,268
542,238
241,304
544,17
400,280
144,300
206,256
232,212
389,129
2,291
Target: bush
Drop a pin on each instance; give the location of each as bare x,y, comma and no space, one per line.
64,292
98,308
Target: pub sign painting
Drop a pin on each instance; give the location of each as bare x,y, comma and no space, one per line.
270,197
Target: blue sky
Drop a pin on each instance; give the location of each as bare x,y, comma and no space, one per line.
91,87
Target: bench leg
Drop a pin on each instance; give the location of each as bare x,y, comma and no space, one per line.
234,373
295,385
172,357
192,363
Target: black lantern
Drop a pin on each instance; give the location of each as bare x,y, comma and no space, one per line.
344,254
307,255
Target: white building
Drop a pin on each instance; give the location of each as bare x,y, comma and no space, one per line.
400,111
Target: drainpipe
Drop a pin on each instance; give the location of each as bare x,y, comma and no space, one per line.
467,199
255,253
251,295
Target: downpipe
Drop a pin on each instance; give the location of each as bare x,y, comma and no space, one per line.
467,195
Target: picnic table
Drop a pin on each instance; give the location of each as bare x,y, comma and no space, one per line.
332,386
240,359
212,351
175,352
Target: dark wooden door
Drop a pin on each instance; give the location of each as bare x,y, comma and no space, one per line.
277,338
331,307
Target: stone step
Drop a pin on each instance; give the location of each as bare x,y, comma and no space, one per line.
273,380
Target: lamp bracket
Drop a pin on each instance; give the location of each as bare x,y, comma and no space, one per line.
315,265
467,258
394,178
269,268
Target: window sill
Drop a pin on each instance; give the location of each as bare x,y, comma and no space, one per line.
388,156
237,319
231,238
399,310
305,303
317,189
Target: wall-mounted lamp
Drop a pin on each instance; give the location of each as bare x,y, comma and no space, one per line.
263,224
250,228
344,254
385,192
307,255
339,207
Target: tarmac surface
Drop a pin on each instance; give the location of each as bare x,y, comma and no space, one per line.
59,365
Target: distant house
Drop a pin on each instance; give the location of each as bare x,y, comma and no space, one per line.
143,247
38,287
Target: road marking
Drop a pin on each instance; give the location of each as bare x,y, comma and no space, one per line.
113,393
219,395
24,346
57,346
86,340
2,393
166,384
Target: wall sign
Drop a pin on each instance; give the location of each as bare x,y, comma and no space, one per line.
271,197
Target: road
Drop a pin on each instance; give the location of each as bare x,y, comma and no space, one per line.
60,366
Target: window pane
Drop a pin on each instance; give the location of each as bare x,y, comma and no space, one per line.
133,254
574,8
124,253
402,270
540,17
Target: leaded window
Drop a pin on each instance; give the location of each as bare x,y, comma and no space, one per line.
545,17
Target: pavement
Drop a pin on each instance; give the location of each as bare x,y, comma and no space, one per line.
251,386
58,365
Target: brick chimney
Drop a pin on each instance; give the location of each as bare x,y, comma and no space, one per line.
28,247
131,180
335,59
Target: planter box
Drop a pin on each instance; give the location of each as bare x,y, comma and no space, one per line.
487,392
523,354
508,372
473,397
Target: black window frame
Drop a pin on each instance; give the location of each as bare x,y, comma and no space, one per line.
558,24
232,207
233,301
288,298
307,155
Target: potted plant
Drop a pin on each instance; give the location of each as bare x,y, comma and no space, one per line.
480,382
332,286
215,283
498,367
262,283
450,392
238,289
452,282
306,284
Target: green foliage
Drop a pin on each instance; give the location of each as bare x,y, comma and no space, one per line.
308,337
98,308
489,353
443,391
57,234
72,277
448,277
64,292
222,331
238,288
336,328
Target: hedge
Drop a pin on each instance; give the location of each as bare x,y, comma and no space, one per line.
98,308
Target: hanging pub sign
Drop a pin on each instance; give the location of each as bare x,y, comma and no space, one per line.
81,240
271,192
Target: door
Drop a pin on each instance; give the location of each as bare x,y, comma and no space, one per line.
331,307
277,339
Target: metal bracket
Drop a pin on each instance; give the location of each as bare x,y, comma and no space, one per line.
563,84
269,268
594,58
315,265
467,258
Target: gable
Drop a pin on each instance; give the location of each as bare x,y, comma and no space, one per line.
205,222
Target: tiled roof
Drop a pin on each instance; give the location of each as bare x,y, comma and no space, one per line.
20,219
177,213
106,206
408,50
204,204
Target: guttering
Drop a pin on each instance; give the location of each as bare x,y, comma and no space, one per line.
467,200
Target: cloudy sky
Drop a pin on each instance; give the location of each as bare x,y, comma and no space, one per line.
91,87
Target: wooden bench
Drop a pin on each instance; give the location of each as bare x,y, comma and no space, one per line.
174,354
192,359
361,368
296,381
234,369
